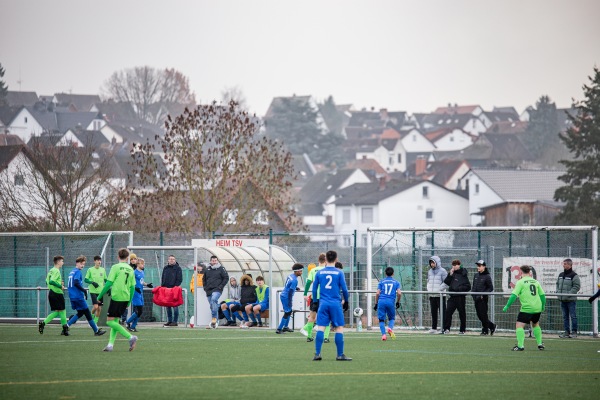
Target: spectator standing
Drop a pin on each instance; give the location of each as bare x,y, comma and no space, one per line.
568,282
457,281
172,276
435,283
199,276
482,282
214,280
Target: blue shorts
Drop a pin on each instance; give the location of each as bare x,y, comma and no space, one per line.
330,313
79,304
232,303
286,303
386,308
264,306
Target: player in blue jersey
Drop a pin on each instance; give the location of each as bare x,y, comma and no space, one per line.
138,295
78,297
387,300
329,282
286,297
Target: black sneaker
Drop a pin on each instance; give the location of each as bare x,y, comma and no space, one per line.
41,326
493,329
128,326
517,348
99,332
167,324
483,334
65,331
309,339
174,324
565,334
254,324
260,325
278,331
325,340
317,357
286,329
343,358
541,346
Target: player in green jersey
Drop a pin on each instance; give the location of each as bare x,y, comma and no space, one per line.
314,303
533,302
121,282
56,297
96,278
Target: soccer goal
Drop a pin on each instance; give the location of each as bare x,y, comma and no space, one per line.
504,250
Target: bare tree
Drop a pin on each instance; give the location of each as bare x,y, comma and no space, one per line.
218,175
236,94
60,188
153,92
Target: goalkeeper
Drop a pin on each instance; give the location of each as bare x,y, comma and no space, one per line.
533,302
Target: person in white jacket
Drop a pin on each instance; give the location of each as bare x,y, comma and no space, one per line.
435,283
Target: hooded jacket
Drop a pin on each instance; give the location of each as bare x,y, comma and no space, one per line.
215,278
436,276
568,282
171,276
247,292
235,292
458,282
482,282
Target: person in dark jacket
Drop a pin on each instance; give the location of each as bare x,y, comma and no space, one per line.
457,281
248,296
482,282
172,276
568,282
214,280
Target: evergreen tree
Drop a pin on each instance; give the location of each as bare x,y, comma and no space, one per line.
3,87
542,128
332,116
582,192
298,124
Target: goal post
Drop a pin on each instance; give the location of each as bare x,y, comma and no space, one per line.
503,248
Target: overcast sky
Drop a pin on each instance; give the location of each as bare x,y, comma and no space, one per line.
402,55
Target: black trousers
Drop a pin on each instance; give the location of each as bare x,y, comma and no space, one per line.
434,303
481,307
456,303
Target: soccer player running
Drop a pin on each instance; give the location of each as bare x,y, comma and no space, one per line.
95,278
78,297
287,296
314,301
122,285
56,297
387,300
330,281
533,302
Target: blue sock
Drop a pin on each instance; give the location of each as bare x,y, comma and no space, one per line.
258,319
227,315
283,323
382,327
339,343
391,324
93,325
252,317
245,315
135,319
319,341
130,320
73,319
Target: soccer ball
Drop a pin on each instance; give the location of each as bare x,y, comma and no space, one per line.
358,312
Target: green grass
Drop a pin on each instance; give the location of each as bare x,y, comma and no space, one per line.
257,364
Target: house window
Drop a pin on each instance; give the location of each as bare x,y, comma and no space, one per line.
345,216
97,125
230,217
347,241
429,214
477,188
367,215
414,138
19,180
261,218
399,158
425,192
391,160
25,119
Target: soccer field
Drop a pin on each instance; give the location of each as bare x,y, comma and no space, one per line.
180,363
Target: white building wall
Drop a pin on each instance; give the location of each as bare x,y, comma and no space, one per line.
25,126
480,195
415,142
455,140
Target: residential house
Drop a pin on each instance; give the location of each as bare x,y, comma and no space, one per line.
489,187
317,209
446,173
449,139
473,125
521,213
77,102
398,204
83,138
389,152
20,99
